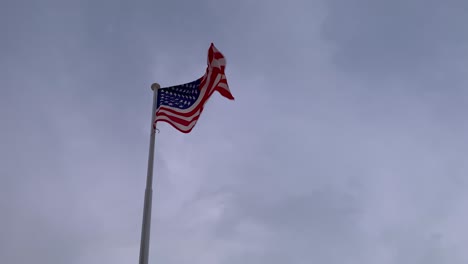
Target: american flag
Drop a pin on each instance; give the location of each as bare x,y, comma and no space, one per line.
182,105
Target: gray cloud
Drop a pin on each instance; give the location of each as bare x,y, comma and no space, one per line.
346,141
403,37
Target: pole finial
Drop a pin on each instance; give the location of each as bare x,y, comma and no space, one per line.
155,86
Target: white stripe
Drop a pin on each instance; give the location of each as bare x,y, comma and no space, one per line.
179,126
178,116
224,86
218,63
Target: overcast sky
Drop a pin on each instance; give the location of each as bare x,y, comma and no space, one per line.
347,142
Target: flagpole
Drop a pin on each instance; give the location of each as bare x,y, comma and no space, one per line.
146,225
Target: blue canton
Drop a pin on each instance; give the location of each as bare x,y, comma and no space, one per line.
180,96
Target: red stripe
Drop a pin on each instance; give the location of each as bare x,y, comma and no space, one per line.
179,120
223,91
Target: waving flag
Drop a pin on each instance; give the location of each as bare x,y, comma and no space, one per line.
182,105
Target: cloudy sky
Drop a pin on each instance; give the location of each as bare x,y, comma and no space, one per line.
347,141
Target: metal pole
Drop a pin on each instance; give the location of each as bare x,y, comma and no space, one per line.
146,225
